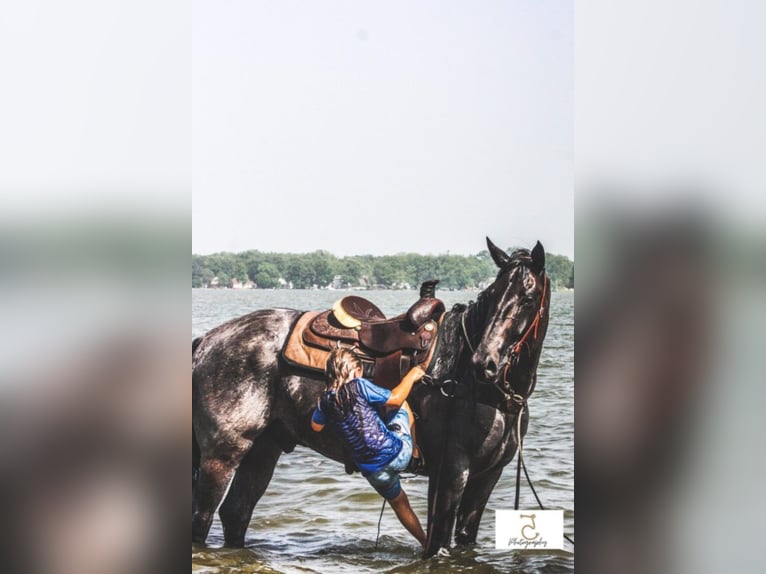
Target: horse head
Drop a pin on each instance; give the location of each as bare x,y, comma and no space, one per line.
512,317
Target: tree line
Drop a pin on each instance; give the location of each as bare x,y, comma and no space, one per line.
321,269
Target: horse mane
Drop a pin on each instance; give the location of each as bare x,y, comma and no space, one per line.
518,257
477,309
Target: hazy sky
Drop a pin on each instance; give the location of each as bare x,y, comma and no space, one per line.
382,127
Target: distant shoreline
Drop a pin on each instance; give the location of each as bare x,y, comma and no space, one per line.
323,270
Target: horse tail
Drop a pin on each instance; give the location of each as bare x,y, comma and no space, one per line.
196,455
195,470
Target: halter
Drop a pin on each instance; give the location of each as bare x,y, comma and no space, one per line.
532,330
518,398
516,349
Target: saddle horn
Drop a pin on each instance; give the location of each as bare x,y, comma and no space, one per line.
428,289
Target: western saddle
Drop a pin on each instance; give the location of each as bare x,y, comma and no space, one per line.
388,348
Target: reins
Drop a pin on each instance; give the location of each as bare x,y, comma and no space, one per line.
532,330
465,331
519,448
519,465
517,399
501,396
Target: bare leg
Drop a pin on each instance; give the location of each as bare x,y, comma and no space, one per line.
408,518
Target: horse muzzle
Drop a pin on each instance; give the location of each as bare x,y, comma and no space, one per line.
486,367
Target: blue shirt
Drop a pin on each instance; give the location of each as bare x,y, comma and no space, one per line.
354,418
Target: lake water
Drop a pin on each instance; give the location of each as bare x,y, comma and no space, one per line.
316,519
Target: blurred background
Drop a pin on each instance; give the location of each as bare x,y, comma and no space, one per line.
95,232
669,241
95,235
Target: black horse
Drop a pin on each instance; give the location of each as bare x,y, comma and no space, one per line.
248,406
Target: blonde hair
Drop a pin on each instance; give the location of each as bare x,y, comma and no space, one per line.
340,368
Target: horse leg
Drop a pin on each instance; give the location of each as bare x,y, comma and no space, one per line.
196,456
445,488
472,505
250,482
214,476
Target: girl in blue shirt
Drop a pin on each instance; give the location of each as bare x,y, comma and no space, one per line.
381,446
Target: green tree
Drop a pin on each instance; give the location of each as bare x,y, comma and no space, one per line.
351,269
299,272
324,266
320,267
386,271
198,271
560,269
267,276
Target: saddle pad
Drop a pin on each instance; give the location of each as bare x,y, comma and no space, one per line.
297,353
306,350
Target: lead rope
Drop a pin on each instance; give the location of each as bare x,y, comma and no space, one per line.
465,331
520,444
382,508
520,464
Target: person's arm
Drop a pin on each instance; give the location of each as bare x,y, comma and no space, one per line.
401,391
318,419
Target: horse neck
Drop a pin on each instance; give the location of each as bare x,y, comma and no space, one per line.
453,353
474,319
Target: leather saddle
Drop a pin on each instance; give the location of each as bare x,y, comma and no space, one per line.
389,348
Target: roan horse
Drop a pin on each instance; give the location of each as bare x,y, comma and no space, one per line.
249,406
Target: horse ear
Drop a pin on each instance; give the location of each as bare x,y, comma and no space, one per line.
538,257
499,256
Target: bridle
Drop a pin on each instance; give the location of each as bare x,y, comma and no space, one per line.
501,394
504,398
532,330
